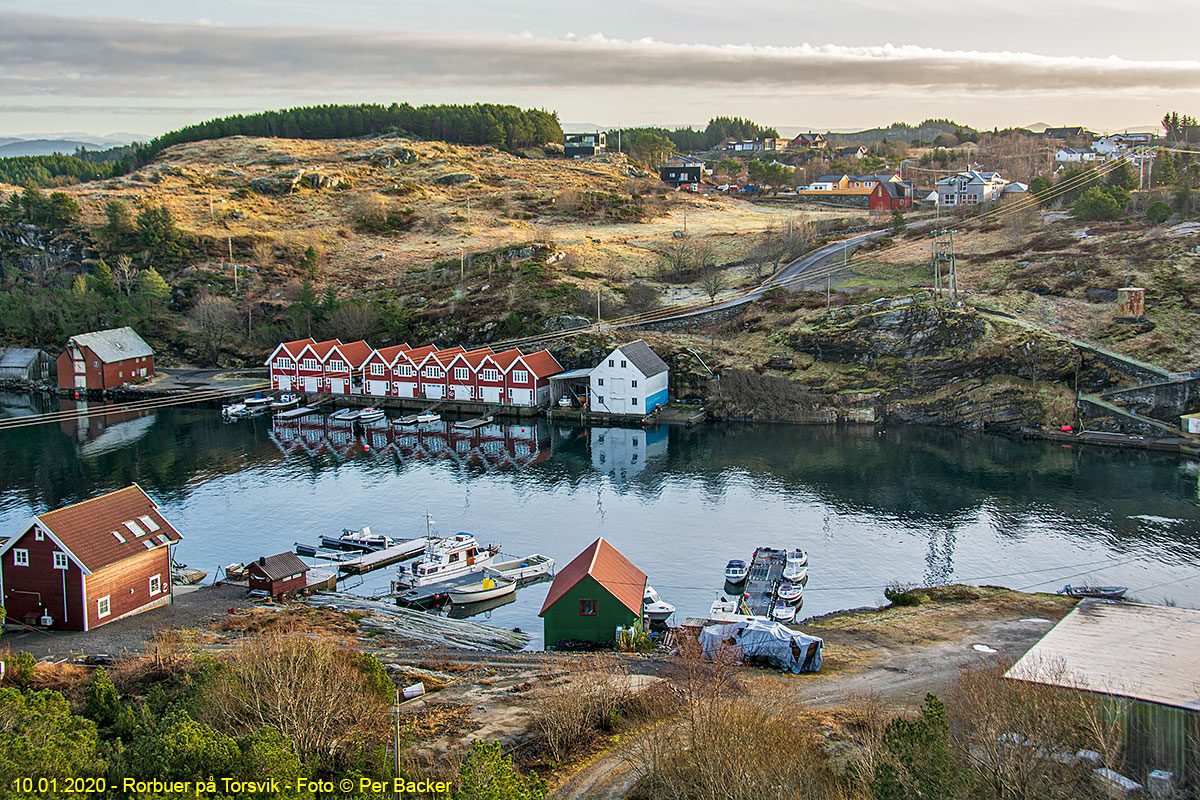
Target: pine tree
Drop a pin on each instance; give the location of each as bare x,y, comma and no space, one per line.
152,286
311,263
1164,169
102,277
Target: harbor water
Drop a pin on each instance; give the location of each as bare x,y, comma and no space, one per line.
909,505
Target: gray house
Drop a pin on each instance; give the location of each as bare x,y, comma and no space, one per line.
25,364
584,144
974,188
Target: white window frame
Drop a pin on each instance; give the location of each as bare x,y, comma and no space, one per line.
433,373
60,559
491,375
377,369
20,557
520,376
103,606
38,535
462,373
155,584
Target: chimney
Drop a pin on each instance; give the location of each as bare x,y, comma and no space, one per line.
262,561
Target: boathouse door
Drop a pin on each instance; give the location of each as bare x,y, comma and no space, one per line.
311,383
284,383
337,385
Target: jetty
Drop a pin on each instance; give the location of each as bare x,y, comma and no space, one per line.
378,559
766,571
477,422
294,413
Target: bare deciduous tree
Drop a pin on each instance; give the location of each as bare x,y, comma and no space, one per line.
353,321
125,273
713,283
215,321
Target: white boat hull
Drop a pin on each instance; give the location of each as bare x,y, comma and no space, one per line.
521,569
479,592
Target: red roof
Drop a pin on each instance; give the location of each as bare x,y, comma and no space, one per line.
418,355
293,348
542,363
322,348
504,360
356,353
607,567
86,529
388,354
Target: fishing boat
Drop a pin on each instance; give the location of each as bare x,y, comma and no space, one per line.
371,415
258,401
428,416
286,401
795,566
653,606
448,557
1105,592
363,540
521,569
736,571
790,592
346,414
486,589
783,612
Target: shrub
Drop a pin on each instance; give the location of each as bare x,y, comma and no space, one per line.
102,705
20,668
901,594
1096,204
1158,212
487,774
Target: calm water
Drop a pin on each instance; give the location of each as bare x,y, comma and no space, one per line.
915,505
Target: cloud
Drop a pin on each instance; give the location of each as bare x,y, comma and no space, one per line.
53,56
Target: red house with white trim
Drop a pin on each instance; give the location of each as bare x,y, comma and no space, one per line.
104,360
344,367
528,378
310,368
89,564
378,369
463,374
283,364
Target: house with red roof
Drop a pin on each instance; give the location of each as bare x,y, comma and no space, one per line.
378,368
343,367
283,363
89,564
599,591
462,373
527,381
310,369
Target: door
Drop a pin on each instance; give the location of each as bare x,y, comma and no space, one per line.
310,383
616,395
462,392
522,397
377,388
434,391
491,394
337,385
284,383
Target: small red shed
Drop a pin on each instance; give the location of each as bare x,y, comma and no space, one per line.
891,195
277,575
89,564
104,360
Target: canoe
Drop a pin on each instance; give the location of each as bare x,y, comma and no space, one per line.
486,589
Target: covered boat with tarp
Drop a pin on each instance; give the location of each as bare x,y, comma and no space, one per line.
764,642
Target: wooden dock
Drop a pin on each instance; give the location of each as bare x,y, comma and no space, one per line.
766,571
378,559
472,424
293,413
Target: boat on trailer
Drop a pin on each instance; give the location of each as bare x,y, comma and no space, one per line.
521,569
1103,592
486,589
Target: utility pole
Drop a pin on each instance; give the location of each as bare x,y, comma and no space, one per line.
396,745
597,308
462,264
828,288
943,253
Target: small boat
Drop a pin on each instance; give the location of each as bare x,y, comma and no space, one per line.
428,416
346,414
259,400
465,610
653,606
286,401
234,410
486,589
371,415
736,571
796,562
783,612
1106,592
790,592
358,540
723,605
800,577
405,421
521,569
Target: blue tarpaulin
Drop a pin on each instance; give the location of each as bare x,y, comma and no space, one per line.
772,643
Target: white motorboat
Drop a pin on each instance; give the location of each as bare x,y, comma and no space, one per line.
783,612
346,414
286,401
724,605
371,414
234,411
428,417
736,571
358,540
653,606
448,558
790,592
405,421
259,400
794,568
486,589
521,569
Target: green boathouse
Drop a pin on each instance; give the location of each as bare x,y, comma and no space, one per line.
599,591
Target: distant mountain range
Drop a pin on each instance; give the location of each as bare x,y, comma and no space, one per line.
45,144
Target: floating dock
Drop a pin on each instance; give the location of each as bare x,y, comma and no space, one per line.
435,594
378,559
293,413
477,422
766,571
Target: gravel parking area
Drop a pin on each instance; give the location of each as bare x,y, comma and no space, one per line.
191,609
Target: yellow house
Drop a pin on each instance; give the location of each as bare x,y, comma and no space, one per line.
852,185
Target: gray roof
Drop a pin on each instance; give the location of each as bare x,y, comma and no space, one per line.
278,567
116,344
18,356
1145,652
645,359
572,374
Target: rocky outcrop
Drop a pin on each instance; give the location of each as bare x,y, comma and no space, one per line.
891,328
280,183
455,178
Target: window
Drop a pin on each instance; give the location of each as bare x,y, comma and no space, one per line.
337,366
491,374
461,373
377,369
599,381
588,608
38,536
433,372
60,560
155,584
102,607
610,363
149,522
21,558
633,384
134,528
600,400
633,400
623,363
520,376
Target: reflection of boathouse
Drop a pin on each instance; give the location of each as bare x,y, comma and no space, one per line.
621,453
101,432
491,446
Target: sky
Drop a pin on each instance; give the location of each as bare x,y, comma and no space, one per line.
148,66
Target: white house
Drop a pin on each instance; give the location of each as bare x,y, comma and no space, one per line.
1110,146
1075,155
631,380
974,188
